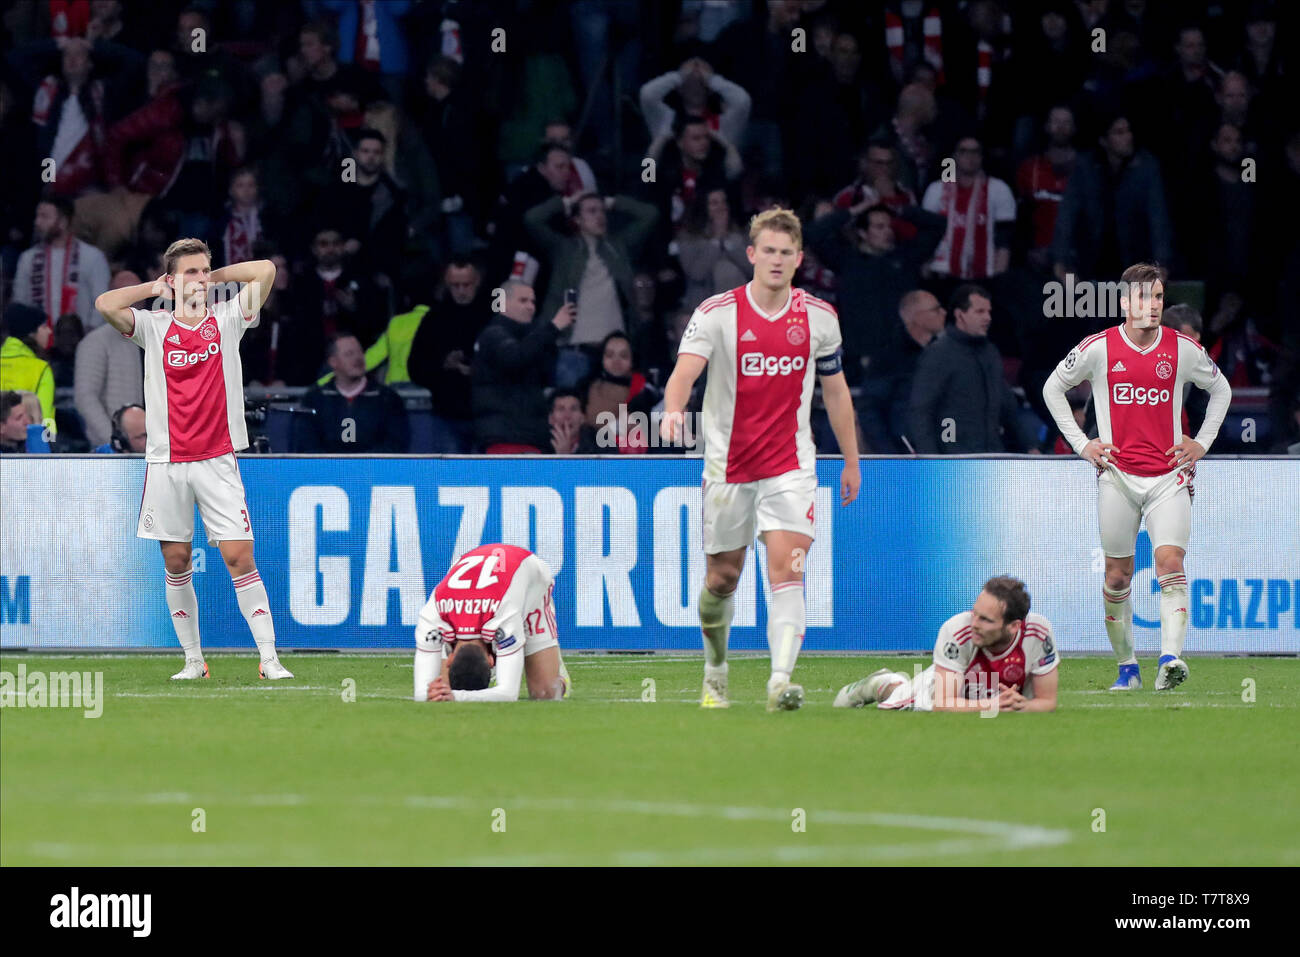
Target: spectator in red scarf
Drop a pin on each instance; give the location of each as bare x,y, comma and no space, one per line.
70,114
616,388
1041,180
371,37
877,182
691,158
981,214
242,224
61,273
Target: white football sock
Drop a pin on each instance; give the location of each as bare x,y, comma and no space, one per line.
184,607
1173,613
1119,622
251,594
785,627
715,624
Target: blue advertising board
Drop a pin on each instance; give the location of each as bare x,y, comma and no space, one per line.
350,549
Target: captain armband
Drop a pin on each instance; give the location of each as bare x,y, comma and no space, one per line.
831,364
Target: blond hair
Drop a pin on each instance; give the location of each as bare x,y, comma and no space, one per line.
778,220
184,247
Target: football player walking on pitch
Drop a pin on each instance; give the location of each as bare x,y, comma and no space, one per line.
1145,465
761,342
194,413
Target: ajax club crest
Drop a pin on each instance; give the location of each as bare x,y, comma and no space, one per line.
208,332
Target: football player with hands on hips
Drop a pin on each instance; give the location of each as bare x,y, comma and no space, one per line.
763,344
1145,465
493,609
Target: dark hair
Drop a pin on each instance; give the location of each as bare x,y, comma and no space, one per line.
961,296
8,400
618,334
863,220
1011,592
469,671
683,120
697,214
369,133
1139,273
564,394
323,31
332,344
119,440
581,198
1183,315
547,148
61,203
462,262
444,69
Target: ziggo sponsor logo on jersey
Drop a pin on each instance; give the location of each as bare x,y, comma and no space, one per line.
1123,393
179,357
755,363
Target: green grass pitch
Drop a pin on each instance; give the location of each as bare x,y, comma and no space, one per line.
291,773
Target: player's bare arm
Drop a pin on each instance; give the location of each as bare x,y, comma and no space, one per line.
839,409
115,305
1044,698
677,392
257,277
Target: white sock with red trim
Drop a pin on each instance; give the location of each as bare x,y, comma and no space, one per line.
1119,622
251,594
785,627
184,606
1173,613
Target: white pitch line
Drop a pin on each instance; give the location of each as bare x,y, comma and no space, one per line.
784,854
978,836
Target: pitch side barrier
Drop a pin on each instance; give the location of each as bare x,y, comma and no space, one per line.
350,547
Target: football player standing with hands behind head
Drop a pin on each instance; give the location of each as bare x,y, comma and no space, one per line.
194,408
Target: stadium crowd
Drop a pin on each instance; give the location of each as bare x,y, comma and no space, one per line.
516,204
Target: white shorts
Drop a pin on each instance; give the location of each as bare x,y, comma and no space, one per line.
172,489
540,629
734,512
914,694
1165,501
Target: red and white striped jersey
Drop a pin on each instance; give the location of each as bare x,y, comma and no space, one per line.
486,594
759,393
1138,392
1033,652
193,383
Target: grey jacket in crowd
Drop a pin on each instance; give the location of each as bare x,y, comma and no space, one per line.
109,374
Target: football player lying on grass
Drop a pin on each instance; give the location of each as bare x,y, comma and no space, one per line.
999,656
493,609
